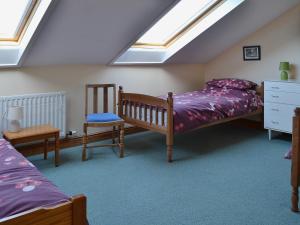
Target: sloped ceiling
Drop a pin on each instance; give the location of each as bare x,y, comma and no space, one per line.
96,31
246,19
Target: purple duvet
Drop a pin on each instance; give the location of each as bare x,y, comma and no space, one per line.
22,186
193,109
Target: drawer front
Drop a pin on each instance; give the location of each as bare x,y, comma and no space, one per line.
279,117
282,86
282,97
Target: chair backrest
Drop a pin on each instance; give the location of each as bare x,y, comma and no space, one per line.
95,88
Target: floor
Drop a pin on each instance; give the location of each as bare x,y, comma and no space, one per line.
221,175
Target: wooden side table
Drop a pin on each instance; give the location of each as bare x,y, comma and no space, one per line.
43,132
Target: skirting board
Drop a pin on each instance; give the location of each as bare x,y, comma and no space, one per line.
38,148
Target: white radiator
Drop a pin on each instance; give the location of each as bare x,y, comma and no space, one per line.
47,108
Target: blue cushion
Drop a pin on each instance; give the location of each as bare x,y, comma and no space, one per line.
102,117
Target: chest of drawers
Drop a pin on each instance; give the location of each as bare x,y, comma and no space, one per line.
280,100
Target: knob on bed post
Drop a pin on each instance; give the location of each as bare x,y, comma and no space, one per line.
297,112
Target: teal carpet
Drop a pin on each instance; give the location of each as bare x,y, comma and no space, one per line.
221,175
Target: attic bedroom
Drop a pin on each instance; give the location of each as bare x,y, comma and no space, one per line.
143,112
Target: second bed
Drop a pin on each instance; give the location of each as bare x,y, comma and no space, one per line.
220,101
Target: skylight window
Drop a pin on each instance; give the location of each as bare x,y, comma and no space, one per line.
19,20
179,26
13,17
175,21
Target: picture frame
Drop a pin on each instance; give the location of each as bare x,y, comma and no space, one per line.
252,53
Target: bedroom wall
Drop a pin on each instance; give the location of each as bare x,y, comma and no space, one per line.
279,40
153,80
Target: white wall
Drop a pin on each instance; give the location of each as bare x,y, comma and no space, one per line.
279,40
149,80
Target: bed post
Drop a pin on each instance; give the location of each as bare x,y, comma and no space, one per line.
170,130
79,210
120,104
295,172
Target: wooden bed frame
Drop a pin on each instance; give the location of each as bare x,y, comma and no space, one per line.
72,212
156,104
295,171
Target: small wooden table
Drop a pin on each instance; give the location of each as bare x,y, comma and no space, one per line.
34,134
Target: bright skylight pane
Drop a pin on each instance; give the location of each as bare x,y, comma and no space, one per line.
177,19
12,15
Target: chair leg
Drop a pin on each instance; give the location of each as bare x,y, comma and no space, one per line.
84,142
121,143
114,135
46,149
119,134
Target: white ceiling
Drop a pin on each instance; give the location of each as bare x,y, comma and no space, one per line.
96,31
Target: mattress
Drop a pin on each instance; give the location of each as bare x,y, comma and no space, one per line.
197,108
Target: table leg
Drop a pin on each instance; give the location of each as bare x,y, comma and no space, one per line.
46,149
56,149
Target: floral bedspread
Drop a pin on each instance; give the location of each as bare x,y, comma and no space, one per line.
22,186
193,109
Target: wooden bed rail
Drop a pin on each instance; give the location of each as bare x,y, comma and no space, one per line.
295,171
150,113
68,213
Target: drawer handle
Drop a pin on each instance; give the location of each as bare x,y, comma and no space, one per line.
275,110
274,122
275,88
275,96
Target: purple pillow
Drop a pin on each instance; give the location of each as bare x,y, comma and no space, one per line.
232,83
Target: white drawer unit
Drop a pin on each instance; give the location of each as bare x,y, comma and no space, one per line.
281,99
288,98
282,86
279,116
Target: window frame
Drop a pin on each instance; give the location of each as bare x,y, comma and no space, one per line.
180,33
24,24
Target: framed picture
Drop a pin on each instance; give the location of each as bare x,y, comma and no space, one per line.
251,52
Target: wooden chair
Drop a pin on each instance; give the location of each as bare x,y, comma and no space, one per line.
104,119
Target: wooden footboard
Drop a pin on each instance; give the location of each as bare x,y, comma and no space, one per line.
149,112
68,213
295,172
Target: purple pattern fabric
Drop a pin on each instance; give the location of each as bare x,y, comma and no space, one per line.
22,186
193,109
232,83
